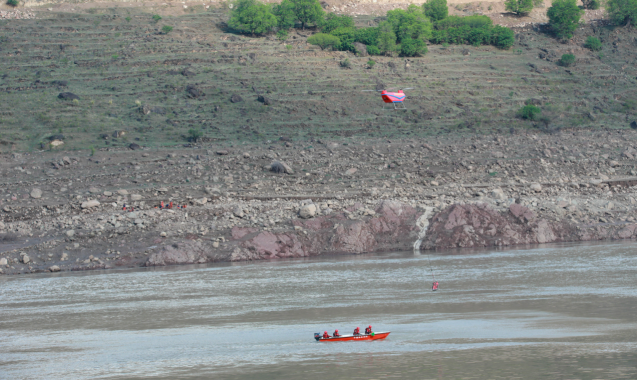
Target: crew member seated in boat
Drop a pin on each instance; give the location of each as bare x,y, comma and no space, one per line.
336,334
368,330
357,331
326,335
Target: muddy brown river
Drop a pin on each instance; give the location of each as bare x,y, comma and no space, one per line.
552,312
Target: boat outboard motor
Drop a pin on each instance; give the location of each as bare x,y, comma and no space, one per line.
317,336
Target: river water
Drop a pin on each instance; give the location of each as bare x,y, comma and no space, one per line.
552,312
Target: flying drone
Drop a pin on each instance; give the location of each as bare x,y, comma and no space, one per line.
394,98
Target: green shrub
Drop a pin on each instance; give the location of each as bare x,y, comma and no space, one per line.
288,47
308,12
459,21
371,63
166,29
346,63
127,19
325,41
373,50
622,12
252,16
13,3
567,60
591,4
367,36
194,135
334,21
282,35
529,112
502,37
412,48
519,7
156,17
410,23
436,9
347,36
593,43
564,16
386,38
284,13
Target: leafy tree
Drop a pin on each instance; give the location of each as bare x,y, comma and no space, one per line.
591,4
519,7
373,50
593,43
13,3
386,38
529,112
622,12
308,11
502,37
411,48
156,18
564,16
567,60
334,21
325,41
411,23
367,36
436,9
371,63
251,16
166,29
194,135
285,15
347,37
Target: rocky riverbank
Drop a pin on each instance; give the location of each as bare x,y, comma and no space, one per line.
61,211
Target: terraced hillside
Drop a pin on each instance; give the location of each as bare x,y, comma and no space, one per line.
157,87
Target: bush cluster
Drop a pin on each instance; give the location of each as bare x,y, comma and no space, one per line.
473,30
567,60
593,43
405,32
529,112
564,17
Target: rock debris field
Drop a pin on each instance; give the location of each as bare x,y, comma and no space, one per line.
279,199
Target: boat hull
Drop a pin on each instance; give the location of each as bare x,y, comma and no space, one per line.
343,338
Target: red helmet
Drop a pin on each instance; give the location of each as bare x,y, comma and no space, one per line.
326,332
370,326
336,330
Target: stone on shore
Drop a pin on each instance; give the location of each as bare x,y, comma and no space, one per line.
54,268
90,204
3,261
36,193
307,211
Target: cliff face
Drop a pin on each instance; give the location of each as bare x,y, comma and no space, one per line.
477,225
390,226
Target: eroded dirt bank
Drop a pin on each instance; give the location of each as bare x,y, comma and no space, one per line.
64,211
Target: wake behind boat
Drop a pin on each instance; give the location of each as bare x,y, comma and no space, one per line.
372,336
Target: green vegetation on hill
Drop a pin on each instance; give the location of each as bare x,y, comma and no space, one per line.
403,31
59,75
564,17
622,12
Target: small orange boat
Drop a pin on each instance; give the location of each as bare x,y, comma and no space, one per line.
342,338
